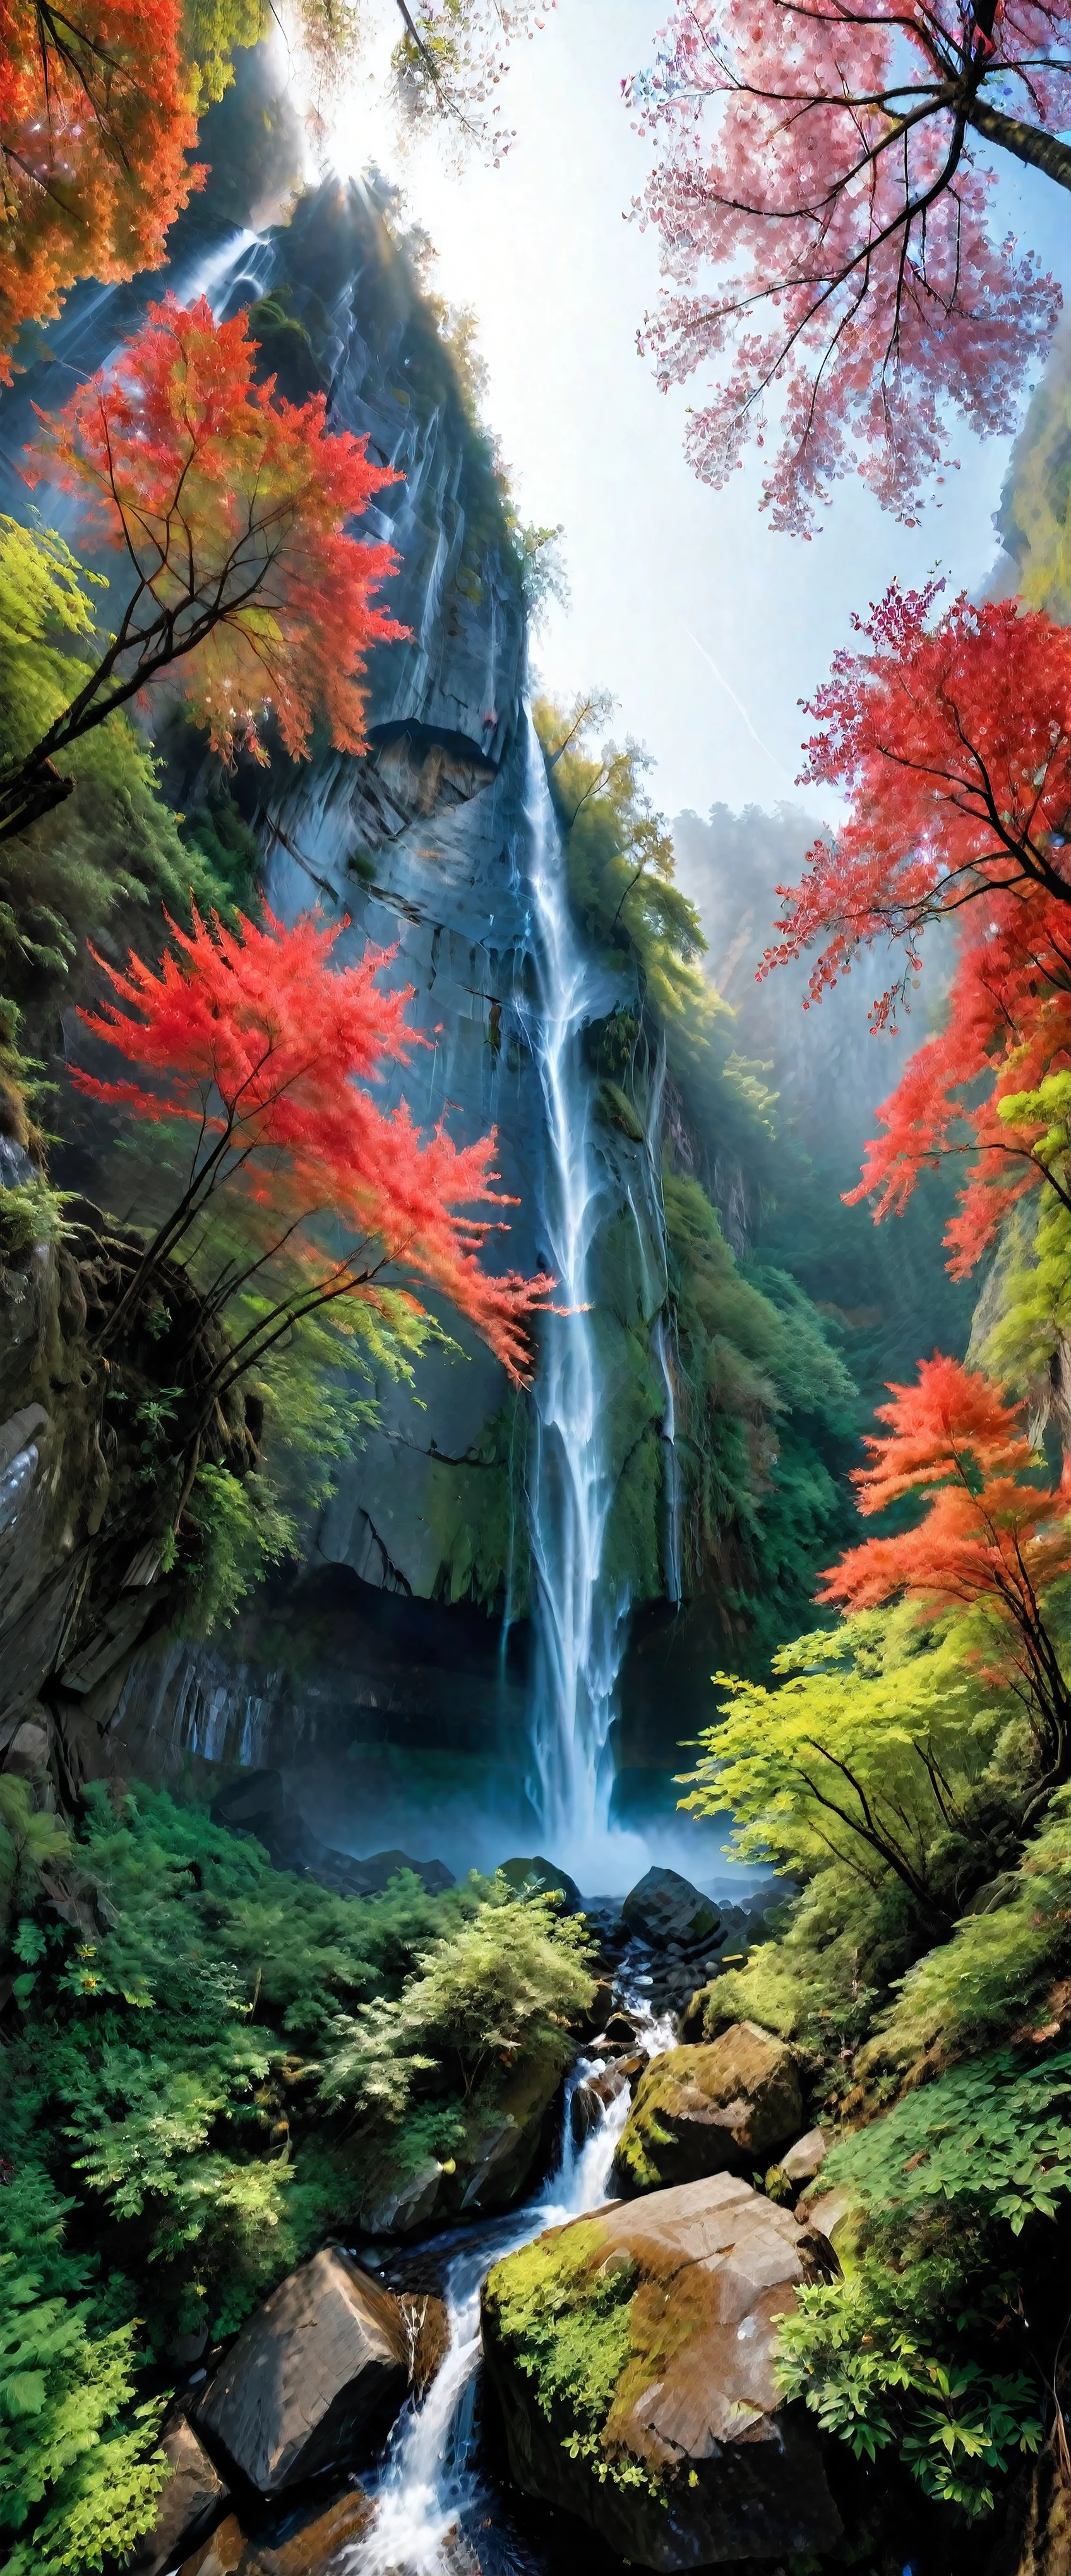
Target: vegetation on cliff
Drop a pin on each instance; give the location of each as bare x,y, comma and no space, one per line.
909,1774
767,1416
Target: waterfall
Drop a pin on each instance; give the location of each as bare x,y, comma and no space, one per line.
430,2488
672,1492
578,1613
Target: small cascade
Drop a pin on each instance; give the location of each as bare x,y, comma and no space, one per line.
579,1619
430,2489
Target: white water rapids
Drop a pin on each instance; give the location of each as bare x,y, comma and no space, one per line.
429,2492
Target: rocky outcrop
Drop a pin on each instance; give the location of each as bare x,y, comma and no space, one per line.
726,2108
324,2360
801,2162
545,1876
502,2150
310,2542
193,2499
257,1803
672,2443
593,2098
665,1909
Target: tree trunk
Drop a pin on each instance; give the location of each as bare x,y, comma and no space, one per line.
1040,151
27,794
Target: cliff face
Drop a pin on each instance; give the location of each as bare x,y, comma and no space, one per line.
424,848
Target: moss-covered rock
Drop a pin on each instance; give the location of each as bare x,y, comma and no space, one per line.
631,2356
726,2108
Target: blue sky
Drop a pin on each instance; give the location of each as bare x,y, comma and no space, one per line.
706,627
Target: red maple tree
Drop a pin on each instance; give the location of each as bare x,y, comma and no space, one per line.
229,509
95,129
992,1537
952,738
830,239
267,1050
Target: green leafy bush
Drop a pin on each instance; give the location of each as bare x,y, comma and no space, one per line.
510,1980
858,2355
79,2471
168,2140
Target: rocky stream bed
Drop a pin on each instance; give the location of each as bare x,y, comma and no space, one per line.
579,2380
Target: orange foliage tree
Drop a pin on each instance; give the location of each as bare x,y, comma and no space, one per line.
229,510
266,1050
992,1538
95,128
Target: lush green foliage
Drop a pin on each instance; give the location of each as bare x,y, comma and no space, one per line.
114,844
859,2355
992,2133
164,2110
767,1421
510,1980
78,2473
867,1757
567,2317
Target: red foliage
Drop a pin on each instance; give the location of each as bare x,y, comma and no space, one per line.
94,133
954,742
268,1051
232,508
820,164
989,1536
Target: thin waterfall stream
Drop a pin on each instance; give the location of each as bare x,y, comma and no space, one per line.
430,2491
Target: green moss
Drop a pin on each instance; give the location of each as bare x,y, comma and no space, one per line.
564,2315
476,1513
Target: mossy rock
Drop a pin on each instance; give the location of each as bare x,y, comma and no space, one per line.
727,2107
631,2356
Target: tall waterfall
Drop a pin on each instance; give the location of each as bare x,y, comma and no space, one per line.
579,1614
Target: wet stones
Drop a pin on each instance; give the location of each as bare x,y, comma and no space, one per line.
323,2361
729,2107
664,1909
696,2460
193,2499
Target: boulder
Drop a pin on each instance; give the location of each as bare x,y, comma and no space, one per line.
676,2447
665,1907
398,2204
325,2358
489,2172
308,2543
545,1874
801,2162
728,2107
509,2142
188,2505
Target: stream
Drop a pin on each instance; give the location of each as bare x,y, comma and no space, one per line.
436,2513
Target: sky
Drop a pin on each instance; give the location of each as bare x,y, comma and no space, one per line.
707,628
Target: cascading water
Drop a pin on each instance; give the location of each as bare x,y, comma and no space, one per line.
430,2490
579,1615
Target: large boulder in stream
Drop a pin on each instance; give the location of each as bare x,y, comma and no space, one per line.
725,2108
323,2361
631,2355
490,2171
665,1910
